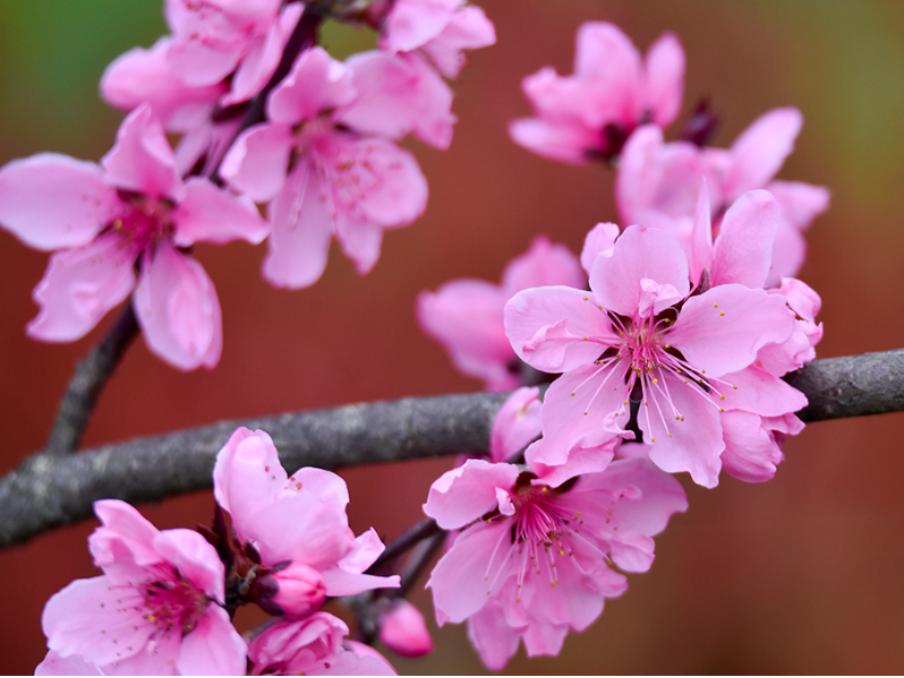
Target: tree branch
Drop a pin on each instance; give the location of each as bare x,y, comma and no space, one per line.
88,380
47,491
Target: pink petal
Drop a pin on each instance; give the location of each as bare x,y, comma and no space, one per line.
495,641
178,309
603,51
194,558
469,29
701,246
544,640
213,647
462,495
80,286
368,546
87,618
516,424
51,201
142,160
125,535
755,390
639,253
751,454
301,225
695,443
544,263
465,316
743,249
147,76
257,162
557,328
341,582
760,151
664,81
57,665
457,581
397,95
360,659
599,241
560,141
247,474
800,202
413,23
721,330
316,83
210,214
404,631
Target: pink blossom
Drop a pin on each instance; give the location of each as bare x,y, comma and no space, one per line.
516,424
643,332
658,183
533,562
443,29
293,521
132,212
238,40
613,89
403,630
313,646
157,609
465,315
322,180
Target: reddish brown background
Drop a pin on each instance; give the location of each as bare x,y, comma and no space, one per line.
803,574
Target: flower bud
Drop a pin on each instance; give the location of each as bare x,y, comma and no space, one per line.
292,590
403,630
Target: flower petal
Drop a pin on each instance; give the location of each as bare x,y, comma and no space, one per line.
464,494
213,647
178,309
743,249
80,286
316,83
760,151
210,214
664,81
257,161
51,201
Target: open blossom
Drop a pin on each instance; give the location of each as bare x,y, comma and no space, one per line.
658,182
442,29
314,646
591,113
296,524
531,561
157,609
322,180
466,315
647,332
132,211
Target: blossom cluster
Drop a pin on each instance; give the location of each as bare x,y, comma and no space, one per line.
265,120
165,600
665,343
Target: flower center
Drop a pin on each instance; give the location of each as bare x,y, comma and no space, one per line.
144,221
173,603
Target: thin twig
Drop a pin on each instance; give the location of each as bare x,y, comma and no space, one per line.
47,491
416,533
88,380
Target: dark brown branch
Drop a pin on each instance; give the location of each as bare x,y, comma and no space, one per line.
88,380
47,491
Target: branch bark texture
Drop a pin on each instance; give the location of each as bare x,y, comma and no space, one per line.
47,491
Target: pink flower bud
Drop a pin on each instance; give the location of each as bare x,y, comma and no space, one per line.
403,630
292,591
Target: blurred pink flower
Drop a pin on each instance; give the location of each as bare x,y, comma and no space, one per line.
640,333
612,90
322,180
294,520
658,183
314,646
533,562
442,29
132,211
403,630
157,609
465,315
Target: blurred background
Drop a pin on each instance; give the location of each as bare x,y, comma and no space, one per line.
801,575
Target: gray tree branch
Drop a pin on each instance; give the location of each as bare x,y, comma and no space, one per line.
47,491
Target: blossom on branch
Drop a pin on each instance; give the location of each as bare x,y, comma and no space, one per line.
533,562
465,315
157,609
133,213
589,114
